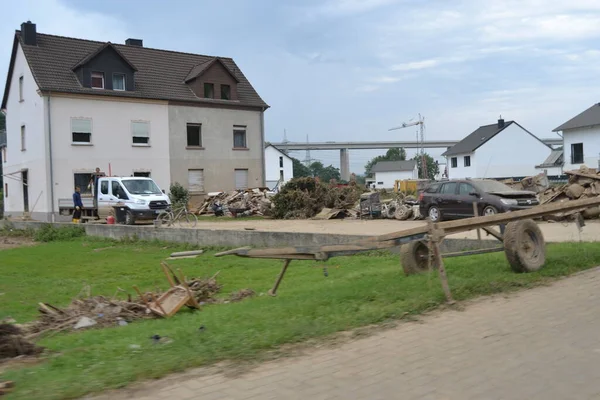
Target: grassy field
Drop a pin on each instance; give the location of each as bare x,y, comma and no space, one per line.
360,290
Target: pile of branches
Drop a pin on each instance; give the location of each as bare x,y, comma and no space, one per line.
238,202
303,198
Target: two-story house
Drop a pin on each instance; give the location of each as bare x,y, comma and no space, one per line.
73,105
501,150
581,139
279,167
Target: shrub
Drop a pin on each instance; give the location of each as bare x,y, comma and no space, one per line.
178,194
48,233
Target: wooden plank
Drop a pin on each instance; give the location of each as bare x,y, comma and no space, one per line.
473,252
577,173
476,214
167,274
494,233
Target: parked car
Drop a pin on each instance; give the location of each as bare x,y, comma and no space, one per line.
454,199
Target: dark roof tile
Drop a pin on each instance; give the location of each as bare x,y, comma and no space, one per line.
160,73
589,117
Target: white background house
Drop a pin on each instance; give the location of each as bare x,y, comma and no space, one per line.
278,166
387,172
501,150
581,139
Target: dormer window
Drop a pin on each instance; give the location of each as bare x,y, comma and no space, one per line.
209,91
118,81
98,80
225,92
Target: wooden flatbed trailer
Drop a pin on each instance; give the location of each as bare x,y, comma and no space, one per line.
523,242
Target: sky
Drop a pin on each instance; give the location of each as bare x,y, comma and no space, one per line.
348,70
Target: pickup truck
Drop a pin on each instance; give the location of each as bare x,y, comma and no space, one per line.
138,197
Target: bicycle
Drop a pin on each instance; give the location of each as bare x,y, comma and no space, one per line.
180,215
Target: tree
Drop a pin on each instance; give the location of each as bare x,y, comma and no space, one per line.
432,166
300,170
325,174
2,121
394,154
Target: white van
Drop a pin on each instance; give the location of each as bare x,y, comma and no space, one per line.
138,198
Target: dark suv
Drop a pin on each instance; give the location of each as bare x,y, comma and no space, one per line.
455,198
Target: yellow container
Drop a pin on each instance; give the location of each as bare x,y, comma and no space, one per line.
406,185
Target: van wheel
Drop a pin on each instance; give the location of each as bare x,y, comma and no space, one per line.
129,219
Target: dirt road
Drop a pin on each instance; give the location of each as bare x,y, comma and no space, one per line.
553,232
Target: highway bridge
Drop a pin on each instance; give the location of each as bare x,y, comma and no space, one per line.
343,147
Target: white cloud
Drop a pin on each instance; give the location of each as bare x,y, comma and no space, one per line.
386,79
367,88
346,7
415,65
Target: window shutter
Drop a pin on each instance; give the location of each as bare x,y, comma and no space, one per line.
81,125
196,180
241,179
140,129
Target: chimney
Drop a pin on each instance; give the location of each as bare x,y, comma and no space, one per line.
500,123
134,42
28,33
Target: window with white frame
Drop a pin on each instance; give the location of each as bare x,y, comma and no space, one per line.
81,130
22,137
20,88
196,180
118,81
239,137
140,132
98,80
82,180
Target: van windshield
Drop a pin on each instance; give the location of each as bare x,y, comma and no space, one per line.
141,186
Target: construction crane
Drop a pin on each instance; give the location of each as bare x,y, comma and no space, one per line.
420,139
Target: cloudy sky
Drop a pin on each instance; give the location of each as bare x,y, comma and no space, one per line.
350,69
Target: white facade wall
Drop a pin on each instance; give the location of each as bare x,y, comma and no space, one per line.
111,141
462,172
590,137
511,153
386,180
29,113
273,168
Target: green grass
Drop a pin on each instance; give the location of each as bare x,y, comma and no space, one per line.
360,290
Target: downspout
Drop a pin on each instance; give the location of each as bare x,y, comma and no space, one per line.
51,162
262,146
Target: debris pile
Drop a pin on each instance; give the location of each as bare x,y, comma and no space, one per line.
401,208
97,311
304,198
14,344
100,311
583,183
239,202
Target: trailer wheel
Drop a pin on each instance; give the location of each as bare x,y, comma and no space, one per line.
414,257
524,246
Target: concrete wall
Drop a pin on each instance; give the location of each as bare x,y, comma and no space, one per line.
511,153
31,113
217,157
460,171
233,238
272,166
111,140
386,180
590,137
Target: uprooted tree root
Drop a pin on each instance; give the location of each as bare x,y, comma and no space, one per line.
13,343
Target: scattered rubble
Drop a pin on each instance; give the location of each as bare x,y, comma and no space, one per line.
583,183
239,202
